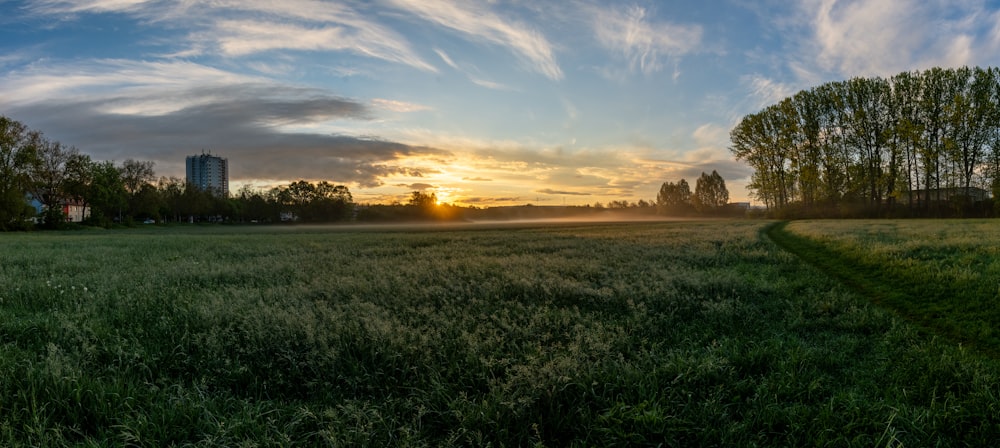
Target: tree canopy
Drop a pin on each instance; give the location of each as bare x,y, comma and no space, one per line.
883,144
710,193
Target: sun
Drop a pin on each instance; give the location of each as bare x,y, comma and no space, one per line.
443,197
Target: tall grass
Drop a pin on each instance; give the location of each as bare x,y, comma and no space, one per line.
697,333
944,275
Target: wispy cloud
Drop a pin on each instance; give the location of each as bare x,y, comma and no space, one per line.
490,84
478,21
885,37
398,106
447,59
475,79
562,192
244,37
237,28
764,91
147,86
710,134
83,6
644,45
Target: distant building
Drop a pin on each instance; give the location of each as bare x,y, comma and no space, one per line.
72,209
75,211
209,173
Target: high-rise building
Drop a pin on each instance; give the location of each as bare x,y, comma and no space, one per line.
208,172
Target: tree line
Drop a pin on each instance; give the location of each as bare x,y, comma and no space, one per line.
917,143
36,169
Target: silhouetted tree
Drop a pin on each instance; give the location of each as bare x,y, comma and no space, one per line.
422,204
674,198
710,193
319,202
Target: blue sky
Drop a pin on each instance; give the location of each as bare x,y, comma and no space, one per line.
481,102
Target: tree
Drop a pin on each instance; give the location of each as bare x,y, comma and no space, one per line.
16,158
136,175
674,198
332,202
309,202
298,196
48,177
195,203
765,140
423,204
172,192
107,195
146,203
973,119
79,179
710,193
254,205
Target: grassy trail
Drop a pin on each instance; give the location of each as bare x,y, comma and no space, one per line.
909,291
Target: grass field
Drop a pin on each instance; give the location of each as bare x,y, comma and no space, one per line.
942,274
683,333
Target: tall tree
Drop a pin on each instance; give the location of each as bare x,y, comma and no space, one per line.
906,134
935,96
137,177
972,119
868,105
674,197
809,150
710,193
108,197
135,174
48,178
79,179
17,156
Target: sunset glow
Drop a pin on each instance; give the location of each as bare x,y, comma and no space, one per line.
481,103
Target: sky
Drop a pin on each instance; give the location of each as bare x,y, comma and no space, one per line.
483,103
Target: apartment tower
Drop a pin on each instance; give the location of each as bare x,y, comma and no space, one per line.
209,173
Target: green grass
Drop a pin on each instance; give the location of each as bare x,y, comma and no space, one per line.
943,275
681,334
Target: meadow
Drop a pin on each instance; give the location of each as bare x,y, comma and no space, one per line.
600,334
944,275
